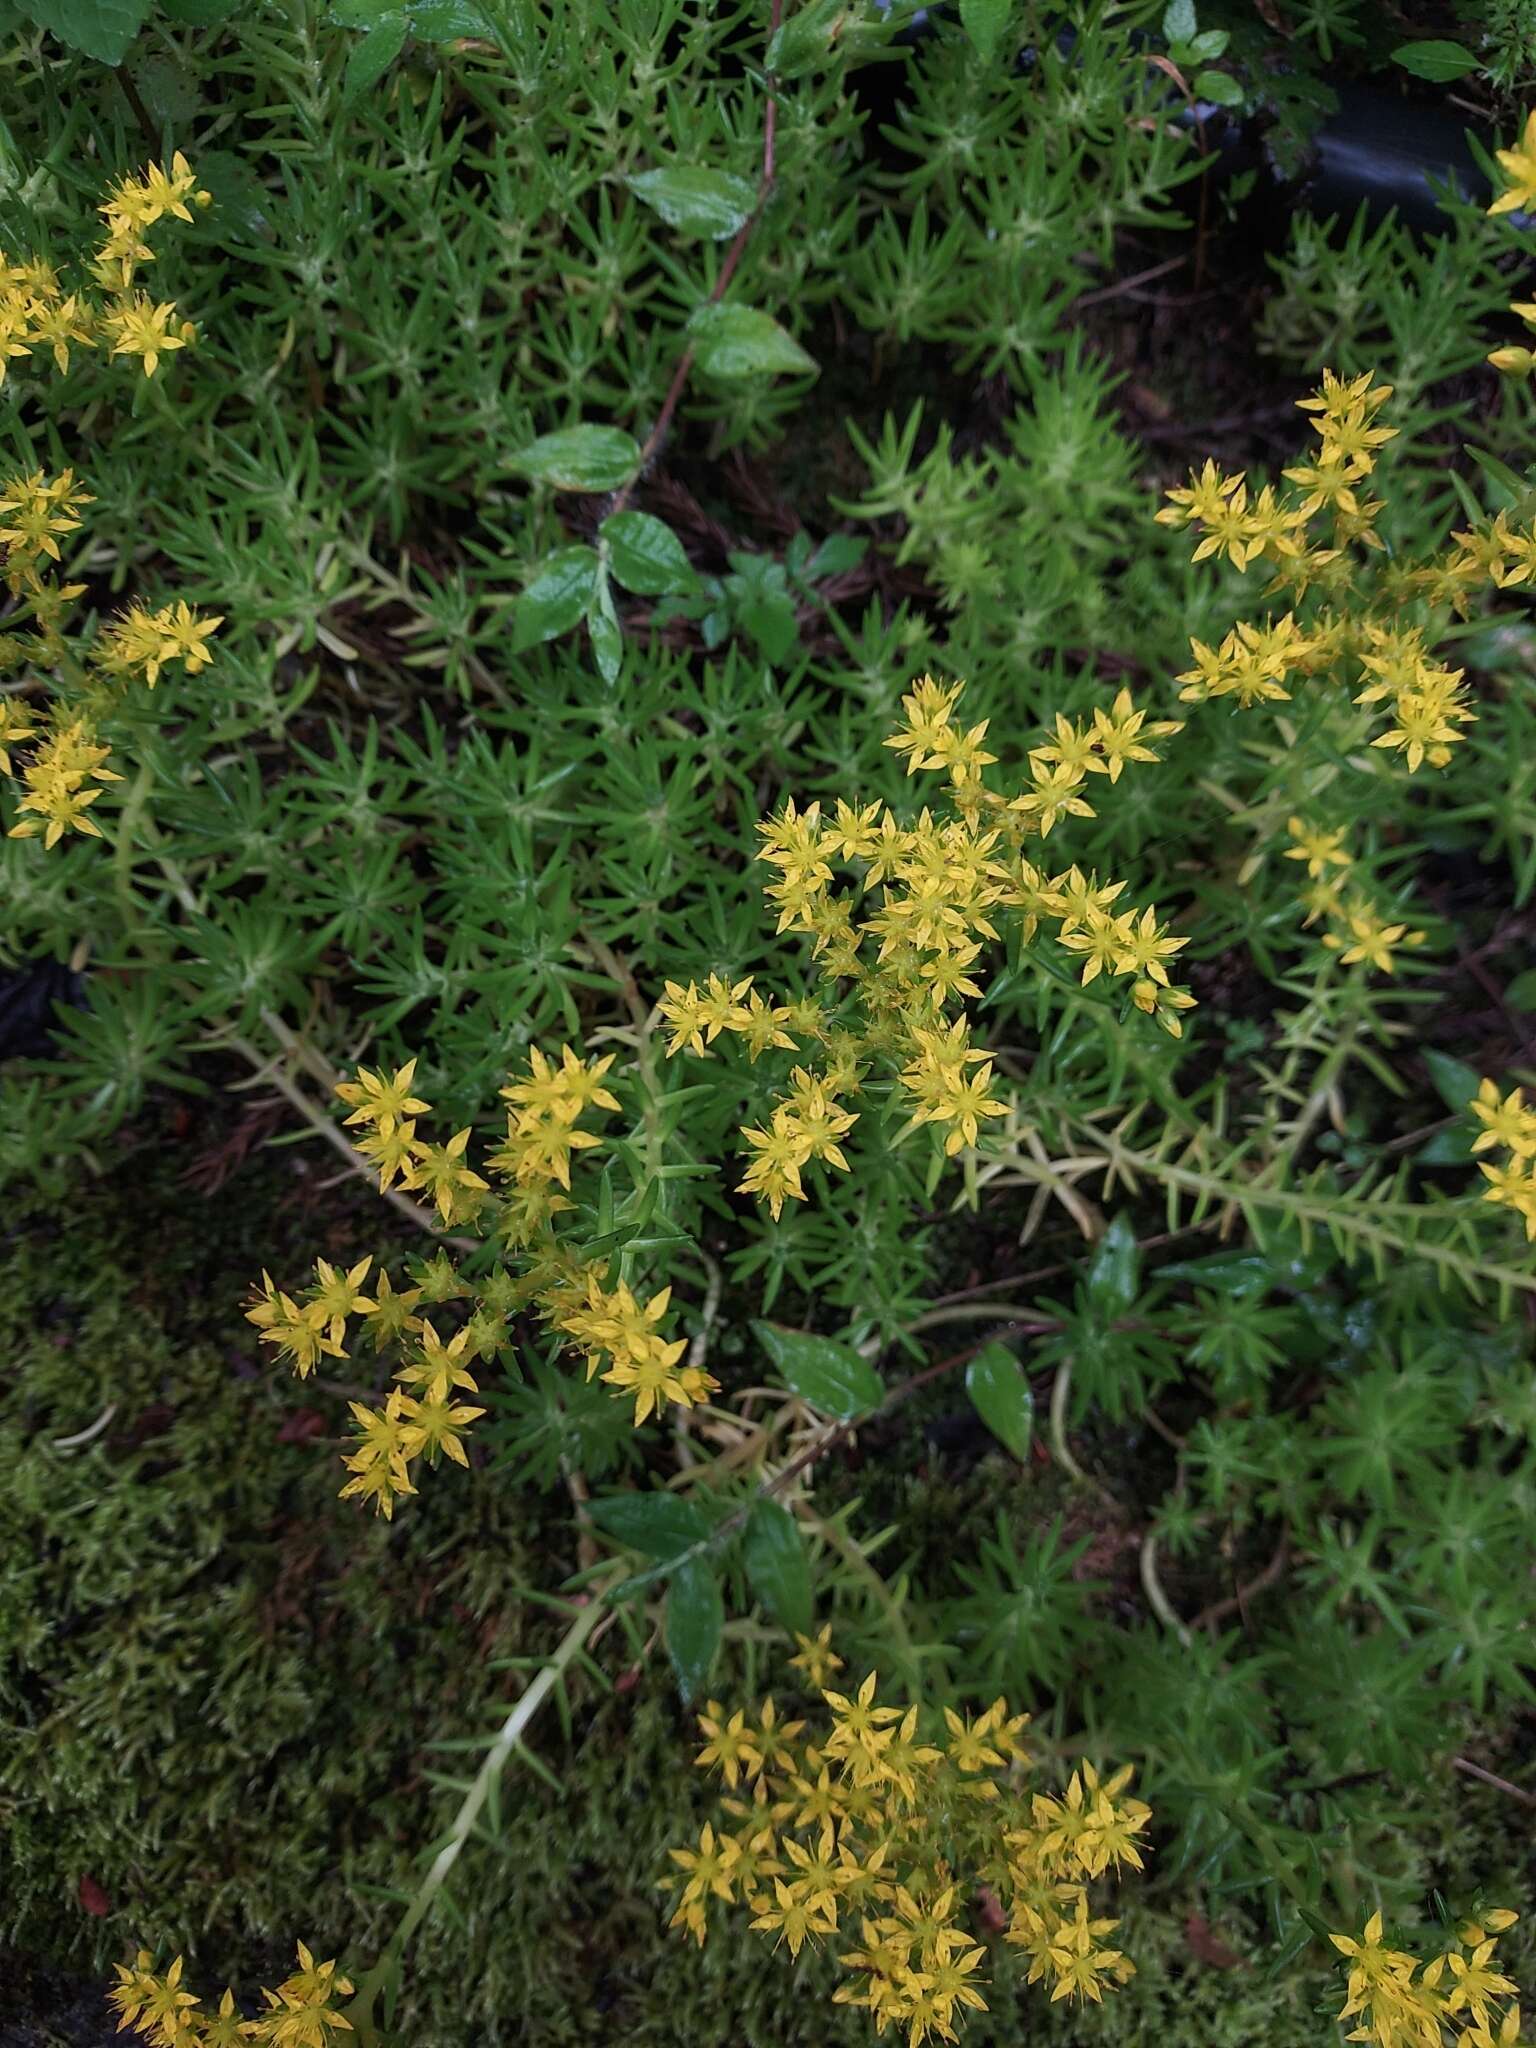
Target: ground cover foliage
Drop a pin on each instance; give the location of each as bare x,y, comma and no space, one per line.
1203,1413
204,1750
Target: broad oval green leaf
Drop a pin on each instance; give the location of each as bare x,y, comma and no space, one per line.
646,555
448,21
739,341
1236,1274
556,598
1438,61
1219,87
1447,1148
1002,1397
658,1524
711,203
1282,1263
1455,1082
371,58
103,29
585,458
1179,22
831,1376
837,553
366,14
1114,1271
777,1571
692,1623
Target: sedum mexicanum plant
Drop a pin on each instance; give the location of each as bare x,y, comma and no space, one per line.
301,2013
876,1820
889,1018
63,770
1399,2000
1352,699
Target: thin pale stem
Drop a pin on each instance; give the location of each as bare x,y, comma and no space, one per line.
266,1065
508,1738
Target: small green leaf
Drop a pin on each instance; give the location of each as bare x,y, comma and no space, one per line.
774,1554
692,1622
103,29
1002,1397
604,630
1219,87
710,203
1437,61
807,38
1283,1263
659,1524
447,21
365,14
556,599
769,616
837,553
1455,1082
241,204
168,90
1521,993
739,341
1447,1148
1179,22
586,458
1232,1273
984,22
646,555
1206,47
371,58
831,1376
1114,1270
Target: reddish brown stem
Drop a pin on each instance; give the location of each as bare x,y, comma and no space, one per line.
659,432
1237,1603
899,1393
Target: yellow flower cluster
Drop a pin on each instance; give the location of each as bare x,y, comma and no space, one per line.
1254,664
421,1415
37,313
65,775
1507,1122
63,779
1459,1989
387,1109
141,642
892,1828
300,2013
1357,931
1519,166
938,883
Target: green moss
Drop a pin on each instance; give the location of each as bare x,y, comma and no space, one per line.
219,1680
